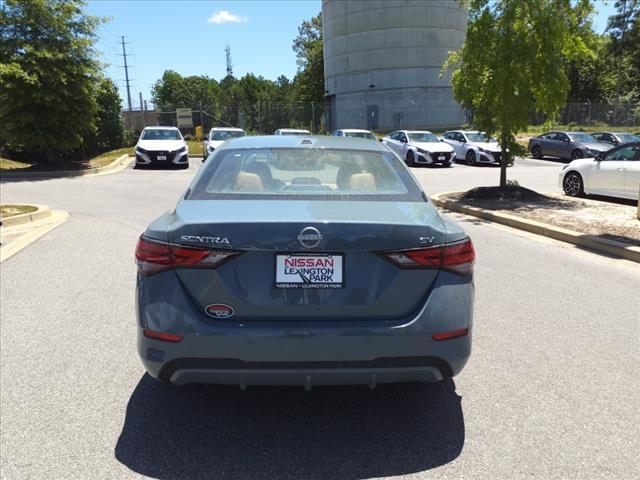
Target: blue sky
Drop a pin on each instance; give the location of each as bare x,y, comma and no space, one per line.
183,36
190,37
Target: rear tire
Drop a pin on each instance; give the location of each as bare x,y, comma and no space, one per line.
573,185
471,158
536,152
576,154
411,159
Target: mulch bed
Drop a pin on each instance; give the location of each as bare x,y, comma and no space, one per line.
608,218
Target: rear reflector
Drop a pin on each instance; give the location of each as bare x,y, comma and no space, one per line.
457,258
167,337
154,256
452,334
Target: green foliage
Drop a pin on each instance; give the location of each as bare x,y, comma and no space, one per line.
308,45
624,50
109,132
48,74
514,62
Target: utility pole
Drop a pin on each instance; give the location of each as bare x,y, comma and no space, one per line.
227,50
144,120
126,76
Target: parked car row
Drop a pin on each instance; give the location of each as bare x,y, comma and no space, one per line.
575,145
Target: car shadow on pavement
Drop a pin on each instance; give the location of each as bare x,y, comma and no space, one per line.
345,433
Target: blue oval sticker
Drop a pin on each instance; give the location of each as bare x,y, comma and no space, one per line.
219,310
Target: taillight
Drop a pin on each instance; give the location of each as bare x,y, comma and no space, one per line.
154,256
461,332
167,337
457,258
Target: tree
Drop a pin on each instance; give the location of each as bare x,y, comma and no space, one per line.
624,32
109,134
514,62
308,45
48,74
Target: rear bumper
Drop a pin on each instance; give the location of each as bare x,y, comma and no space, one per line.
309,353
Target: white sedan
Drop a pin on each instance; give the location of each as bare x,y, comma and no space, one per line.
162,146
419,147
217,136
291,131
473,146
615,173
354,132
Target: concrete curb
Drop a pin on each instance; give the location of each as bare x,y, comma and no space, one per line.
39,229
118,164
42,213
611,247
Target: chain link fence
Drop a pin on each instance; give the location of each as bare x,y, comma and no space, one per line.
258,118
623,114
266,117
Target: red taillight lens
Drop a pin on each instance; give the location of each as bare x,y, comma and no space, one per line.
457,258
452,334
167,337
153,256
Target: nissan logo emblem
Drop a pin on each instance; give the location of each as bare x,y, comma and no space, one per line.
309,237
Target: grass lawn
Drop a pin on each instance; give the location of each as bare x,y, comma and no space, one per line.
11,210
108,157
6,164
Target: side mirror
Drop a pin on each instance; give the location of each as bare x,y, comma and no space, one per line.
599,158
381,139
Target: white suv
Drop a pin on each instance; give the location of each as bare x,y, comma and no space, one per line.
162,146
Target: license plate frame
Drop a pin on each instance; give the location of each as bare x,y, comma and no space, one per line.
324,263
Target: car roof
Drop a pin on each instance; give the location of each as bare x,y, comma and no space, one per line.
417,131
355,130
159,127
235,129
292,130
306,141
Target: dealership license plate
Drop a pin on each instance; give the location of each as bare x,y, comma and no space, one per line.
161,157
441,157
313,270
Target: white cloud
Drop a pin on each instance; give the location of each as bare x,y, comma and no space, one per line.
225,16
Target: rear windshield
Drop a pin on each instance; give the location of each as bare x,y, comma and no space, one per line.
304,173
480,137
161,134
360,135
423,137
294,132
582,138
226,134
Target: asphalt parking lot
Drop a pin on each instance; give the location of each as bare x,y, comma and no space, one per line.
551,390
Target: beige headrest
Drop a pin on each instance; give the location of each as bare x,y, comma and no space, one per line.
362,182
248,181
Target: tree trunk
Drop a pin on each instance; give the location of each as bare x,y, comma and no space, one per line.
504,161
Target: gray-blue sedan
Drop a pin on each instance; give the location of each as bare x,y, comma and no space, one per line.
302,260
